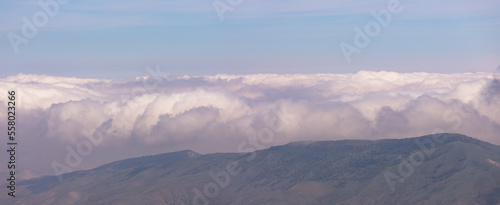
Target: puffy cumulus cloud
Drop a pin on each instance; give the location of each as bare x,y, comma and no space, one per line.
65,121
183,127
149,115
41,91
492,91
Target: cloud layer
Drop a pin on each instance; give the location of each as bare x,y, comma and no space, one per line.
150,115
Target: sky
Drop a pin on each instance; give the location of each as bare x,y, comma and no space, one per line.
118,39
109,80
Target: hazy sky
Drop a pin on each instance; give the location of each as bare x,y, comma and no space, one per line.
118,39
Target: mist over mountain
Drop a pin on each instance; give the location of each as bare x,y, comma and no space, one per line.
216,113
433,169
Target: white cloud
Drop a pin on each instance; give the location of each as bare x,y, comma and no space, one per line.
217,113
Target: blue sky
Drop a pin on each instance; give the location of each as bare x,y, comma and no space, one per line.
118,39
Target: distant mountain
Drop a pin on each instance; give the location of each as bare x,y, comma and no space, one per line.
433,169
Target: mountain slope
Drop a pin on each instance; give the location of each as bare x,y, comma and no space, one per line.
434,169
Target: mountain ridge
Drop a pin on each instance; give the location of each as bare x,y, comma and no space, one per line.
321,172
